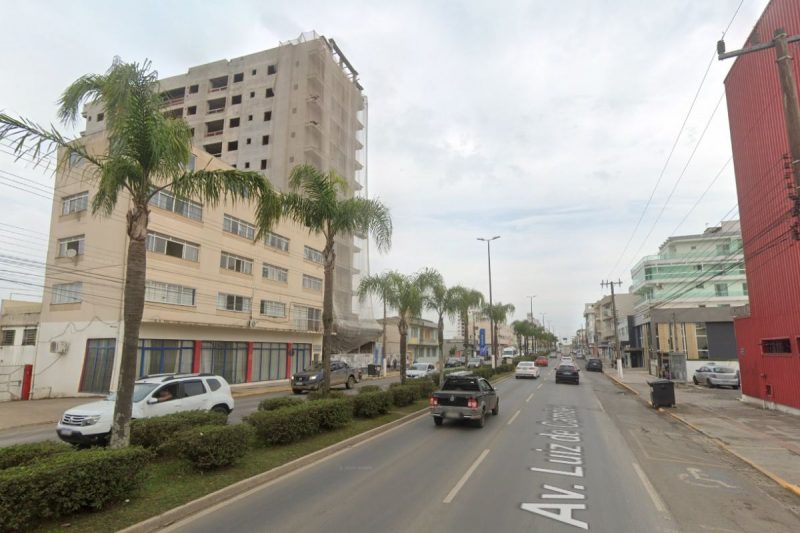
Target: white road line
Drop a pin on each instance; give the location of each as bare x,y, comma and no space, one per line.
657,501
540,386
513,417
465,477
529,398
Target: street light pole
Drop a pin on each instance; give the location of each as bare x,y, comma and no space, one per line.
531,299
491,309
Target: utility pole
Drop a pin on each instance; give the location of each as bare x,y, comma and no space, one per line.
531,299
614,312
492,325
791,104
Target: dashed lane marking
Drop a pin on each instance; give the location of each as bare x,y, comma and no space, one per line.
449,498
529,398
514,417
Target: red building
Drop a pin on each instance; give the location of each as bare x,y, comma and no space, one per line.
768,336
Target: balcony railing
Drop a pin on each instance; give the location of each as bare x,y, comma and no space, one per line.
217,110
217,89
213,133
174,101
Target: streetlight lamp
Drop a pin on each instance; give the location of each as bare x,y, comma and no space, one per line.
491,310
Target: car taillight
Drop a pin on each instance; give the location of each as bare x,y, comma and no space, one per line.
433,401
472,403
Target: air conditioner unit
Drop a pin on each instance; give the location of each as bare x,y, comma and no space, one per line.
251,323
59,347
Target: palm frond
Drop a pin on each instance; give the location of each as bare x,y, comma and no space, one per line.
86,88
37,143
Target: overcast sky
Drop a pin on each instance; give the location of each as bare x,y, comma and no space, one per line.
545,122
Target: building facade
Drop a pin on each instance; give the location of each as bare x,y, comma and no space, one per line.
590,320
422,340
686,295
768,330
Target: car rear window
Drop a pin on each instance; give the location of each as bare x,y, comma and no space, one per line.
213,384
193,388
723,370
566,367
461,384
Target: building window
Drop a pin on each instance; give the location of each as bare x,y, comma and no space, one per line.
271,69
273,240
236,99
29,337
164,244
249,118
8,337
265,140
226,359
168,293
191,110
236,263
275,273
161,356
233,302
773,346
248,141
75,203
238,77
234,122
100,117
98,366
253,73
310,282
193,89
233,146
239,227
273,309
270,92
744,289
702,340
269,361
313,255
724,248
264,163
720,289
185,208
247,164
267,116
306,318
67,293
73,244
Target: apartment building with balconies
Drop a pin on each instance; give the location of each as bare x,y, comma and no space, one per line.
685,295
216,299
422,340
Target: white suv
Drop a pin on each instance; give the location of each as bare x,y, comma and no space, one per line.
156,395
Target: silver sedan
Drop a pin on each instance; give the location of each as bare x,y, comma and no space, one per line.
716,376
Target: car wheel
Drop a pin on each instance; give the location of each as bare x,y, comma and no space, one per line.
710,385
438,420
694,378
496,410
482,420
351,382
220,409
297,391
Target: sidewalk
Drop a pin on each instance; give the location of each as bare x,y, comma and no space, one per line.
33,412
767,440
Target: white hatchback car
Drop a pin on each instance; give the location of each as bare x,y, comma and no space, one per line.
420,370
155,395
526,369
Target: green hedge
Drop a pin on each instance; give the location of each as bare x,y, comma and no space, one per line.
65,483
284,426
372,404
156,432
24,454
332,413
270,404
403,395
318,395
369,388
210,447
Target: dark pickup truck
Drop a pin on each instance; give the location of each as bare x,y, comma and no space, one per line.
464,397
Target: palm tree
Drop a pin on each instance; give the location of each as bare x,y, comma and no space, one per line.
465,300
520,328
497,314
316,202
407,295
377,285
147,152
441,300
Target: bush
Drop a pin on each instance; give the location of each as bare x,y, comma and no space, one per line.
369,388
156,432
332,413
68,482
425,387
24,454
332,394
286,425
403,395
210,447
372,404
270,404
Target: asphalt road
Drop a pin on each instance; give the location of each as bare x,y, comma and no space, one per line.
552,460
243,406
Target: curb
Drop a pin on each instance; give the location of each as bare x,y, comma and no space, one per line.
791,487
625,385
168,518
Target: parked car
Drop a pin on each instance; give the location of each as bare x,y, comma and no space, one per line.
716,376
566,372
594,365
541,361
526,369
474,362
311,378
464,397
420,370
454,362
156,395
